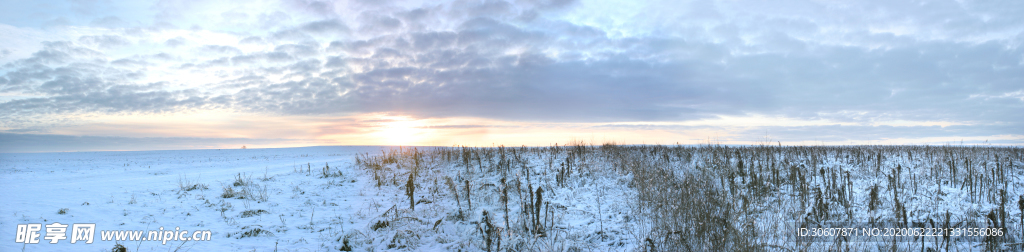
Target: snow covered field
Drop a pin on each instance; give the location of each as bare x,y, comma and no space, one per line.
140,191
562,198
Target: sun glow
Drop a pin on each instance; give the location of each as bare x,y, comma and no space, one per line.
401,130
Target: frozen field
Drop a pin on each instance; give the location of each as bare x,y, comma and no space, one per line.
140,191
562,198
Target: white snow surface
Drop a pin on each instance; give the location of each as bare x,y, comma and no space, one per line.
139,190
601,208
99,187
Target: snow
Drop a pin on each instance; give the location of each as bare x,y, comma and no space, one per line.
595,198
98,187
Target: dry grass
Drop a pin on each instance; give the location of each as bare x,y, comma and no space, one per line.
699,198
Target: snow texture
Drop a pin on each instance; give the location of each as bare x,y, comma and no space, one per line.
575,197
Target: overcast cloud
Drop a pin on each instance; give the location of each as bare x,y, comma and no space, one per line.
864,70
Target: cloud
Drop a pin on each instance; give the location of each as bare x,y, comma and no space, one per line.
54,53
864,63
109,21
843,134
251,40
323,8
330,26
273,19
104,41
373,23
220,49
22,143
467,126
278,57
307,50
175,42
115,99
305,32
128,62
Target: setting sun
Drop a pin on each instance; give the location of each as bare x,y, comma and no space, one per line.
400,130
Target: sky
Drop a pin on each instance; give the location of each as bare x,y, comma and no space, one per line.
88,75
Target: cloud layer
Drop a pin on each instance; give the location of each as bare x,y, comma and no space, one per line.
865,64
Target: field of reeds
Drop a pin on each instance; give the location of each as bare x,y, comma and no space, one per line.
580,197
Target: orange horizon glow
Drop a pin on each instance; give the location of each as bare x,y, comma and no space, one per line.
387,129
